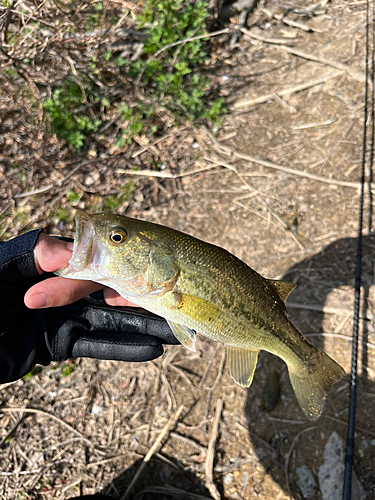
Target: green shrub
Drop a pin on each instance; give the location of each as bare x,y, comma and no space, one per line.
168,73
67,122
168,77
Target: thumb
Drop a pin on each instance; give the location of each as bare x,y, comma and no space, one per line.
50,254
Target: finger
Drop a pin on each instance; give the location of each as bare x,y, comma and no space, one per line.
112,298
55,292
51,254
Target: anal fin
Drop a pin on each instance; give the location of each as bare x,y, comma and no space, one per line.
242,363
184,335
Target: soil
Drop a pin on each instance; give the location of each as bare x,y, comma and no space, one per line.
283,222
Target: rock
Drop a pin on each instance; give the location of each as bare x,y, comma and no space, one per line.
228,479
306,481
331,472
93,178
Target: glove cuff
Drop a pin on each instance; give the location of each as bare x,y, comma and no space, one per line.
17,258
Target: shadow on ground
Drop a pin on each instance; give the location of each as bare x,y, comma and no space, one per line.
283,438
159,480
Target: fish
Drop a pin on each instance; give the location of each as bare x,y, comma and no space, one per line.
199,287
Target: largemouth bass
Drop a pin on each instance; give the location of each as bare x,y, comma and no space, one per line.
199,287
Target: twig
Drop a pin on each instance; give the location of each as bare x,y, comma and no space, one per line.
361,429
191,39
38,19
144,148
288,22
12,430
257,193
164,175
322,309
112,459
174,44
334,149
216,383
154,448
53,417
317,308
205,375
286,421
311,57
8,18
286,91
337,336
270,164
211,451
189,441
60,182
314,124
251,34
285,104
290,454
35,191
361,77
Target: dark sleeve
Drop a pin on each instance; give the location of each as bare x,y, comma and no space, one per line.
17,268
17,274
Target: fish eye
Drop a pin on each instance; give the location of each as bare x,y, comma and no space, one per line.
118,236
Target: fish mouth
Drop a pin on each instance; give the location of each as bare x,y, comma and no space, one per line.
83,242
87,253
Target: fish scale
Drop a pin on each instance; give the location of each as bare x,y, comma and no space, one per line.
199,287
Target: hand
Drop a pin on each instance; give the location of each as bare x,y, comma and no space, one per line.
61,318
51,254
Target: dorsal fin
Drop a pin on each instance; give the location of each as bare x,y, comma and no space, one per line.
284,288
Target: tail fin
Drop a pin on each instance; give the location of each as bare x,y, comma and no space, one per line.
312,383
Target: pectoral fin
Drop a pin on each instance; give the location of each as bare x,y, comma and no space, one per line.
283,288
183,335
195,307
242,363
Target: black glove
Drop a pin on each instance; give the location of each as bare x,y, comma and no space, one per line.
87,328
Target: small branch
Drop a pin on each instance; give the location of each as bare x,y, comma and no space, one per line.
174,44
216,383
290,454
317,308
361,77
251,34
269,164
164,175
53,417
255,192
285,104
211,451
8,18
357,428
337,336
36,191
60,182
154,449
190,39
288,22
286,91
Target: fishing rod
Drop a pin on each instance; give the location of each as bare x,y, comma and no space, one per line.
358,274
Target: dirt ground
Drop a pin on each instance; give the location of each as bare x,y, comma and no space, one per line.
277,185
